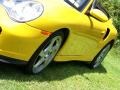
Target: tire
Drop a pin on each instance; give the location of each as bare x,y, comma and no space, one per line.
100,56
45,53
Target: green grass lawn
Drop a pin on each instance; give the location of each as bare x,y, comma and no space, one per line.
65,76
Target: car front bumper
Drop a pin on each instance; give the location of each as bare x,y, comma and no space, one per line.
18,40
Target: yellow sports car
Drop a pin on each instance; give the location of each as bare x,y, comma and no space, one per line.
34,32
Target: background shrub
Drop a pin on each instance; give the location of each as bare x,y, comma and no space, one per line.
113,7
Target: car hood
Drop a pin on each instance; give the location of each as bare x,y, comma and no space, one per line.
55,11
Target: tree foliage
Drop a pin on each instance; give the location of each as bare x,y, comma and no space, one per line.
113,7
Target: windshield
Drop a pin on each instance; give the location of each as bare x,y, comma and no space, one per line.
78,4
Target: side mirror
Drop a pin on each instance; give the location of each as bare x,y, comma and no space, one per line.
98,15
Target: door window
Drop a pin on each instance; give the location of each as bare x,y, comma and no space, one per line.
78,4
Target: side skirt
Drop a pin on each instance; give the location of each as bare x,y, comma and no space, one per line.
5,59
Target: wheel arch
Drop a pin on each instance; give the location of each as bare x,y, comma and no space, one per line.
65,31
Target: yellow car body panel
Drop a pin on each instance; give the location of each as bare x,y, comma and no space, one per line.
18,40
85,51
85,40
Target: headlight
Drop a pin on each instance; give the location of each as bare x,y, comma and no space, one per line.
24,11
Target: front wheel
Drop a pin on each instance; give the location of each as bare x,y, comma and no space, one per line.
45,54
100,56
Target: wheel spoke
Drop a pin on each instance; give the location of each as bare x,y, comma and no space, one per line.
39,62
42,53
55,48
52,42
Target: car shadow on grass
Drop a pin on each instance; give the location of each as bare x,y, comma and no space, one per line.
54,72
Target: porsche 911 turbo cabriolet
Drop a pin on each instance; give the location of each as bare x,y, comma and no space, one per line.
35,32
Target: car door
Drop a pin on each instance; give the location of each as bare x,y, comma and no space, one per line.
86,33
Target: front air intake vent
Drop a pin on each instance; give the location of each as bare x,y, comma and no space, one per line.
0,30
107,33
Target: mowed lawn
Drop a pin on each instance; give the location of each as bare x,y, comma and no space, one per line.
65,76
